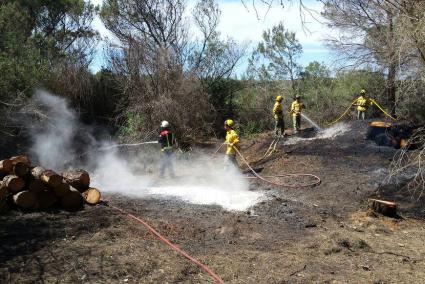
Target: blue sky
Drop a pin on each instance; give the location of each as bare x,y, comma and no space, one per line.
241,23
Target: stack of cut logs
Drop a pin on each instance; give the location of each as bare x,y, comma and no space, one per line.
36,188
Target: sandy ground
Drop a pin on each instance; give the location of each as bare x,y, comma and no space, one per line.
323,234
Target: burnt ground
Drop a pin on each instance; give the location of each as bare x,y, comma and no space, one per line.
323,234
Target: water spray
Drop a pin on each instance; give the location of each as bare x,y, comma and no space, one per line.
315,125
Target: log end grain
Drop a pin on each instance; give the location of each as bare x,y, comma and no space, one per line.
51,178
20,169
14,183
6,166
77,178
92,196
24,199
37,171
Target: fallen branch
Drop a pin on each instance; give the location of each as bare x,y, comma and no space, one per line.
396,254
298,271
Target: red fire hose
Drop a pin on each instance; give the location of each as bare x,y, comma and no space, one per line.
205,268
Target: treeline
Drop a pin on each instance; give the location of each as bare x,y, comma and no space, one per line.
168,62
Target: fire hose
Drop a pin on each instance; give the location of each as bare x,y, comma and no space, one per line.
381,109
267,178
174,247
349,107
205,268
343,114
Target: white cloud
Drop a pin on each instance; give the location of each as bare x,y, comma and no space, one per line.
242,24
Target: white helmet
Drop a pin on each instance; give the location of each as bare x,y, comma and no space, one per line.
165,124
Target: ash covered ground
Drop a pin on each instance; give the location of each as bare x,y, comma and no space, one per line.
323,234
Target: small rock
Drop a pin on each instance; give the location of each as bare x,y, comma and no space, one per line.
401,245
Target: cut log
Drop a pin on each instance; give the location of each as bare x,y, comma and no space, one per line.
36,186
61,190
6,166
24,199
20,169
14,183
92,196
21,159
77,178
37,171
72,201
45,200
3,190
386,208
20,165
51,178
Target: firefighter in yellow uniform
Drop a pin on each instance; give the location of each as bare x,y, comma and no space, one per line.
296,108
279,123
362,104
232,141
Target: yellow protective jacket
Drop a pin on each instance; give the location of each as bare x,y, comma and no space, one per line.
296,107
232,140
278,110
361,103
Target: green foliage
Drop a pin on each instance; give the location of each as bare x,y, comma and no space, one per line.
316,88
327,97
21,64
222,95
133,124
280,49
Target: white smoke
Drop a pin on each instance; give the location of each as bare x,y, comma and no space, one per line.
54,133
200,178
327,133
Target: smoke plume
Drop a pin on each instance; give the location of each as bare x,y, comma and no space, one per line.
60,139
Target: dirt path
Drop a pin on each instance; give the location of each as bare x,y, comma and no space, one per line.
321,235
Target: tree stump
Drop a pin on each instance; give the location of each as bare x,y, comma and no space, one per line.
386,208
